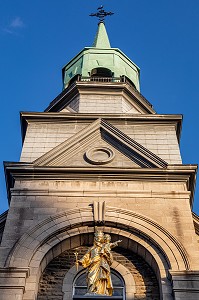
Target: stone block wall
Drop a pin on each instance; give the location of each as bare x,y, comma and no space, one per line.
159,139
41,138
105,104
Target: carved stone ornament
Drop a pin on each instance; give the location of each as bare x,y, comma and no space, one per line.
100,155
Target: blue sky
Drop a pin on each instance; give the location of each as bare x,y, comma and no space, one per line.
38,37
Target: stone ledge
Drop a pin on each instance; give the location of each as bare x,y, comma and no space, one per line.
14,272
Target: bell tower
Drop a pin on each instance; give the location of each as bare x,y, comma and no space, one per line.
100,157
98,68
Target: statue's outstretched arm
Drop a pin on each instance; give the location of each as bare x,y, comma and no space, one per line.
115,244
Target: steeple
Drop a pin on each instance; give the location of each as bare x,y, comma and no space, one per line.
101,38
101,59
94,73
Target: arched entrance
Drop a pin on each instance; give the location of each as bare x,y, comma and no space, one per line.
139,234
132,277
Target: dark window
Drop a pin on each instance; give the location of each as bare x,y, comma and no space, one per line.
101,72
80,286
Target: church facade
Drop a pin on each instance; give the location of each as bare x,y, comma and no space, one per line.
100,157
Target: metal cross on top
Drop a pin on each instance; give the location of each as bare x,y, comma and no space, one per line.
101,14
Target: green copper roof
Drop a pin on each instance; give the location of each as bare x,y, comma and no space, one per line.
100,56
101,38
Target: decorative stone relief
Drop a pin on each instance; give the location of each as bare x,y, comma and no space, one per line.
99,155
99,209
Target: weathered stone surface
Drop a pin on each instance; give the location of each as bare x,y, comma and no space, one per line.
159,139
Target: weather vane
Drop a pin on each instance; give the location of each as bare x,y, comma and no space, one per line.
101,14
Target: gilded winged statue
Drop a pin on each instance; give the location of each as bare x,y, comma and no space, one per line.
98,260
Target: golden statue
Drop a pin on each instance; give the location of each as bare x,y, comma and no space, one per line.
98,260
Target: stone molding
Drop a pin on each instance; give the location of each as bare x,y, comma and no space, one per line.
135,151
120,88
100,193
133,243
13,282
28,117
3,218
99,210
90,155
37,247
173,173
196,222
185,284
58,226
48,248
169,239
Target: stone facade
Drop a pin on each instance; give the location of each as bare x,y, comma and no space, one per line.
156,136
100,156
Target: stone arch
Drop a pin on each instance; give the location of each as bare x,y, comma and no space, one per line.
168,245
145,279
54,229
122,270
41,259
159,248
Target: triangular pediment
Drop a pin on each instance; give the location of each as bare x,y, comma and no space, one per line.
100,144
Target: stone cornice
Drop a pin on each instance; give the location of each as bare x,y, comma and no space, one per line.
25,272
99,193
185,273
196,222
3,218
38,116
13,278
92,87
173,173
51,117
135,151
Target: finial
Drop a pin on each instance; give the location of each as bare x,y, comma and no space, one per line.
101,14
